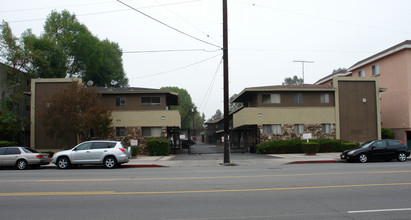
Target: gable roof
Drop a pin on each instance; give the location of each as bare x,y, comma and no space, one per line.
401,46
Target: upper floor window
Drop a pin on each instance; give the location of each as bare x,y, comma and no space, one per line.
120,101
299,128
375,69
361,73
272,129
298,98
325,98
154,100
272,98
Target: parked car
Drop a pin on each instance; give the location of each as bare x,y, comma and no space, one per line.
378,150
107,153
22,157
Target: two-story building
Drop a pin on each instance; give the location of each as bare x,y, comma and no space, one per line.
137,113
392,67
347,110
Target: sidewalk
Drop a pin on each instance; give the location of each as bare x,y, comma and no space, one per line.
238,159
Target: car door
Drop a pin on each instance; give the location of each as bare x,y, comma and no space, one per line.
10,156
379,149
98,151
81,154
2,151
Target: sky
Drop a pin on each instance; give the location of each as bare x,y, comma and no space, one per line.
178,42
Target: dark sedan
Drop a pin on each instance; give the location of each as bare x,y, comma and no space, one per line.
378,150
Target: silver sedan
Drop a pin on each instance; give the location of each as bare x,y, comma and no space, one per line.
22,157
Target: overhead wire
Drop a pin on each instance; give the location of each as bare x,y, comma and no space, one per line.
165,51
210,86
175,29
180,68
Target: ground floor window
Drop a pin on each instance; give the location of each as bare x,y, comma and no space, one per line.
151,131
326,128
120,131
299,128
272,129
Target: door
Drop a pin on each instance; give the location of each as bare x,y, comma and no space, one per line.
10,156
98,151
2,151
81,154
379,149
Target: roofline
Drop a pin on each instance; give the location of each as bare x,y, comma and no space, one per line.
331,77
401,46
137,91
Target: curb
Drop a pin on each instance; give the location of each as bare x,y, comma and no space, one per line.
313,161
141,165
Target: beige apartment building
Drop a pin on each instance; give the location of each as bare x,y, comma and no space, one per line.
393,69
137,113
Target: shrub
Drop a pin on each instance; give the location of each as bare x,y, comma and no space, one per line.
387,133
134,150
158,146
7,143
310,147
280,147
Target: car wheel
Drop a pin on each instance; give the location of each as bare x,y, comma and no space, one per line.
110,162
63,163
363,158
21,164
401,157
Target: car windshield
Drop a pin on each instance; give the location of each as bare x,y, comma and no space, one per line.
29,150
365,145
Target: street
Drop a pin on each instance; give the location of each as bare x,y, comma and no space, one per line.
376,190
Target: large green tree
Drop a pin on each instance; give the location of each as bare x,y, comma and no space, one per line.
188,111
75,109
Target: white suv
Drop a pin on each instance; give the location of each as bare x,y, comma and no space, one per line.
108,153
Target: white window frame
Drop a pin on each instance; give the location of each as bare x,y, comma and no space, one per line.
376,69
275,98
151,131
325,98
299,128
272,129
326,128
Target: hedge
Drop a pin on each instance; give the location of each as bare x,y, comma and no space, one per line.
310,147
7,143
296,146
134,150
158,146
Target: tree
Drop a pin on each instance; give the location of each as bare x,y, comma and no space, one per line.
10,123
188,111
218,115
75,109
293,81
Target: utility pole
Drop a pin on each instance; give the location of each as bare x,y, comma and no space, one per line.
226,100
302,62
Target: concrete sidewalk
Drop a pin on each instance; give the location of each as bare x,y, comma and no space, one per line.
238,159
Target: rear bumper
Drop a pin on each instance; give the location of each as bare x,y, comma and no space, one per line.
122,158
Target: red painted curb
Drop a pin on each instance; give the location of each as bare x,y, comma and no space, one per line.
313,161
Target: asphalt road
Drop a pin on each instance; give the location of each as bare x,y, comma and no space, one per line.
378,190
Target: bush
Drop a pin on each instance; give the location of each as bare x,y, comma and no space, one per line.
7,143
387,133
134,150
158,146
310,147
296,146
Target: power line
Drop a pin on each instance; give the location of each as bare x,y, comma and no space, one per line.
180,68
181,32
208,92
165,51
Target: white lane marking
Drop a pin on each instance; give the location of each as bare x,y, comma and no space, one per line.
379,210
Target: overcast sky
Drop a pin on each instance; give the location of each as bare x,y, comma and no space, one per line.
265,36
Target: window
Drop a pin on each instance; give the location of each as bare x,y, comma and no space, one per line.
361,73
85,146
375,69
326,128
272,129
13,150
120,101
151,132
272,98
380,144
150,100
298,98
325,98
299,128
120,132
